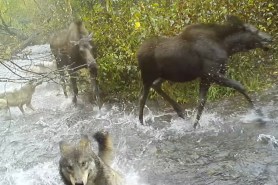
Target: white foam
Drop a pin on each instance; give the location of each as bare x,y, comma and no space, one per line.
269,139
42,174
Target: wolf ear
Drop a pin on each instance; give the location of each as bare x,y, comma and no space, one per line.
74,43
85,143
64,148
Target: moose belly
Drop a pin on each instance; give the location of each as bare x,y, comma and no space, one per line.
181,76
180,71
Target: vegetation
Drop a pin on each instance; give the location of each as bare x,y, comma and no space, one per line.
120,26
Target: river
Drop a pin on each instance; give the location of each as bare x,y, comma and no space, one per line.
228,148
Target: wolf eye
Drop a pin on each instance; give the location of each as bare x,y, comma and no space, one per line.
84,163
69,168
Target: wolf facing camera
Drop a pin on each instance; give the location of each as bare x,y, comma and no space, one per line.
79,165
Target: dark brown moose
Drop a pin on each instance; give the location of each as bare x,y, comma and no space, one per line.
199,51
72,49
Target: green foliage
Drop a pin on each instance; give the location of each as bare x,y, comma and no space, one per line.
24,18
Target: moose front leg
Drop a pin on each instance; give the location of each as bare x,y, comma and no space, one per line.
224,81
73,77
203,91
63,83
93,69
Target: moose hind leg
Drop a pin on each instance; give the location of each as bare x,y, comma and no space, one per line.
175,105
142,100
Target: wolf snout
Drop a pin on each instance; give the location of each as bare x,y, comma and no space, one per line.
79,183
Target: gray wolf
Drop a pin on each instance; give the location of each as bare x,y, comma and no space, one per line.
199,51
19,97
73,49
79,165
43,68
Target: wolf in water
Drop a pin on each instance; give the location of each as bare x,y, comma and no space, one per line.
19,97
79,165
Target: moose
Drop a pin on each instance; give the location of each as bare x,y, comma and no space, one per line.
73,50
199,51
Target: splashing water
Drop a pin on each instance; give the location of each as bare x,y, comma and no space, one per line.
224,150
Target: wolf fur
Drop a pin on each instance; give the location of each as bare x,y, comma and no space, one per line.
43,68
105,146
19,97
79,165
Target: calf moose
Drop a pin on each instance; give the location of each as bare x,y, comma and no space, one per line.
72,49
199,51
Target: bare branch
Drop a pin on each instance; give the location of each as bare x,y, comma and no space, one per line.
11,70
25,43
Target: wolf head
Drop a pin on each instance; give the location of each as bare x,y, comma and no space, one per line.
34,82
77,163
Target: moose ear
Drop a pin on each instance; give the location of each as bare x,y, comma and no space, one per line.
73,42
234,20
65,148
90,36
85,143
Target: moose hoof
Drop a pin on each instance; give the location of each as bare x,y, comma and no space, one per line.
195,125
181,114
141,120
74,100
261,121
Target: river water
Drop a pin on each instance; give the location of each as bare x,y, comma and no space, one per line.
228,148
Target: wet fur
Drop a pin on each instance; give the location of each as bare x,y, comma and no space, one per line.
43,68
97,166
199,51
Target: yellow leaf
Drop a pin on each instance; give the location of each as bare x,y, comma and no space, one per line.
155,5
137,25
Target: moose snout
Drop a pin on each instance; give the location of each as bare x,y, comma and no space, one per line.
265,38
93,67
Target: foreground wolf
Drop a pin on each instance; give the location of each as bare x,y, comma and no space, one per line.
79,165
19,97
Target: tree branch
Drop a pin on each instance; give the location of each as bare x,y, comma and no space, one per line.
5,27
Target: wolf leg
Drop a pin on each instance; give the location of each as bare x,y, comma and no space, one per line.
21,108
29,105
